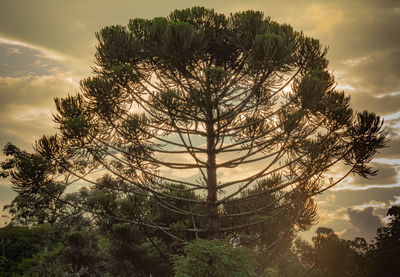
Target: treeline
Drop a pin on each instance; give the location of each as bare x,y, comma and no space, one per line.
328,255
64,239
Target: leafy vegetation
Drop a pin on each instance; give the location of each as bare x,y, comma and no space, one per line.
124,250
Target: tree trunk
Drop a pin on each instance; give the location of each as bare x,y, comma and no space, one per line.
212,208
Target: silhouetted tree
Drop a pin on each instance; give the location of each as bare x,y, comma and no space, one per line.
32,178
81,255
203,93
131,253
202,86
384,255
329,255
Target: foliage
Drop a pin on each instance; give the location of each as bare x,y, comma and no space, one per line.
81,255
32,178
19,246
214,258
328,254
286,264
129,252
383,258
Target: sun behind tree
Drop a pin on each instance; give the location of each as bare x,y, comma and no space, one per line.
201,93
212,88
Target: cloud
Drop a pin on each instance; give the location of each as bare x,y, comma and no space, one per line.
334,214
376,73
367,28
28,62
28,84
364,224
13,51
26,107
6,196
6,193
44,52
383,105
4,217
331,214
373,204
392,151
347,187
328,201
387,175
396,201
73,33
349,198
392,117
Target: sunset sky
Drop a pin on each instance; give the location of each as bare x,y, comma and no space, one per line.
46,47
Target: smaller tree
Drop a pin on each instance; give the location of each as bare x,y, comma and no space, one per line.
32,177
329,255
19,245
383,257
81,255
214,258
131,253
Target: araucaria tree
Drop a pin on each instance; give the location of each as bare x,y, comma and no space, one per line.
229,123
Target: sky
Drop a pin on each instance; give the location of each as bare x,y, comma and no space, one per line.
46,47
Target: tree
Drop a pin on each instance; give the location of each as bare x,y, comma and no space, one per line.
31,177
81,255
329,255
132,254
204,94
214,258
383,255
18,248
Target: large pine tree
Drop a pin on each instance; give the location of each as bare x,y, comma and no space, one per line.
178,105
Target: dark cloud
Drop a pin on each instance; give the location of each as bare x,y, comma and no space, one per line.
392,151
62,24
69,26
346,198
368,27
364,224
385,105
375,74
37,91
364,50
352,29
387,175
